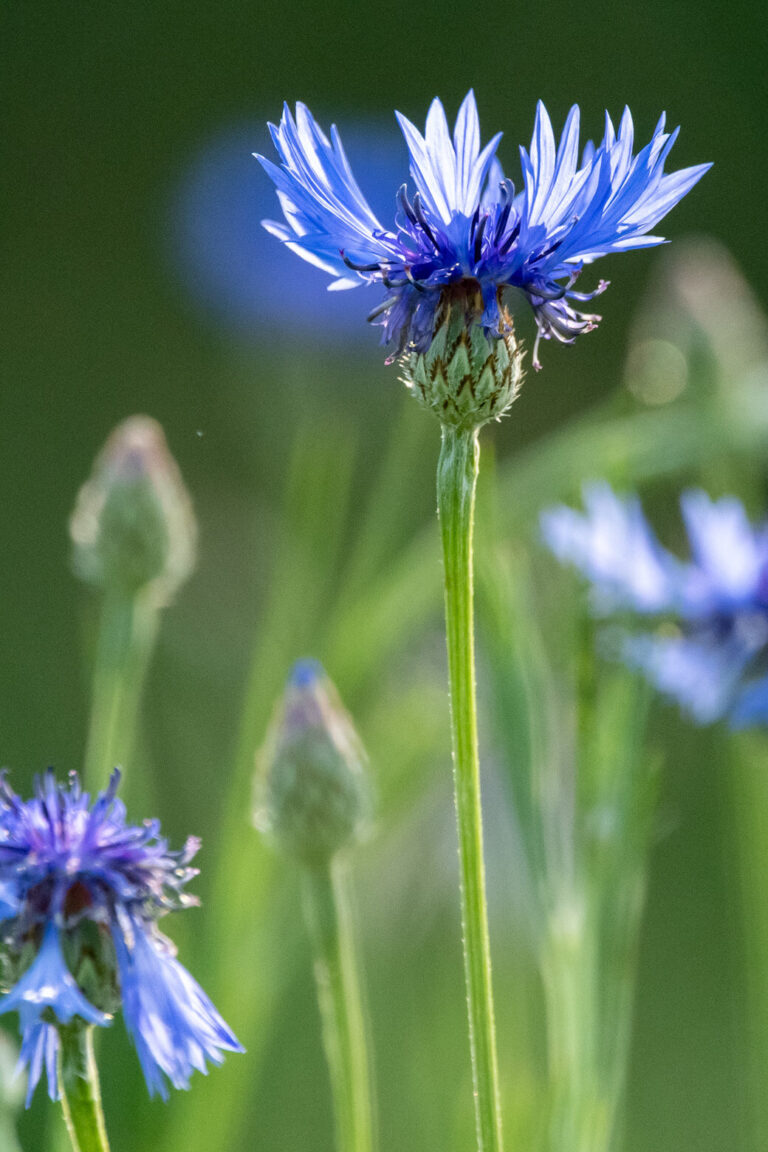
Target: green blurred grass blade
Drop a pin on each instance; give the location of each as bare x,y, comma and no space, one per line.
382,519
571,734
11,1095
619,808
747,791
711,306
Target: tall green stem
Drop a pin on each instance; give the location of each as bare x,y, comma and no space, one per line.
329,917
456,484
127,631
80,1092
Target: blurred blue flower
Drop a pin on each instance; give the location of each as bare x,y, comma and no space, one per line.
81,892
222,251
466,222
711,654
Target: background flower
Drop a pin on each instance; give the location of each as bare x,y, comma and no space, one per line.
716,605
84,891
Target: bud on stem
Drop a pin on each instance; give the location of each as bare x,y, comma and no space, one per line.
314,793
133,526
315,801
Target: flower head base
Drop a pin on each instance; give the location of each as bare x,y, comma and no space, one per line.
81,892
466,222
711,655
465,377
314,795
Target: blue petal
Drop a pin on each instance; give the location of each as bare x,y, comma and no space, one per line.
449,176
426,172
731,558
322,201
466,140
608,205
612,545
751,706
173,1024
9,899
567,159
39,1050
701,676
542,161
48,983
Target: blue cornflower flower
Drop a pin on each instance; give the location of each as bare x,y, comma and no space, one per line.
81,892
711,654
467,224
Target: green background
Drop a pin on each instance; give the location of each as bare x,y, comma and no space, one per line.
104,109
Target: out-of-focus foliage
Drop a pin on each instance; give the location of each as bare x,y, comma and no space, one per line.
360,587
313,481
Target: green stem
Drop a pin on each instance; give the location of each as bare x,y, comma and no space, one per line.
329,919
127,631
80,1092
456,484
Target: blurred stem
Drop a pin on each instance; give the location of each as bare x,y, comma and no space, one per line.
329,918
127,632
8,1139
589,945
748,788
581,1110
456,485
80,1092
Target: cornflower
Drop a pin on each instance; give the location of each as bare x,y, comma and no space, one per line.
710,652
81,894
466,223
458,248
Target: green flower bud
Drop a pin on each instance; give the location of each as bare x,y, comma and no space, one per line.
313,794
464,377
133,525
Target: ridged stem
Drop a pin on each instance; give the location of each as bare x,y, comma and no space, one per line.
456,484
80,1091
329,919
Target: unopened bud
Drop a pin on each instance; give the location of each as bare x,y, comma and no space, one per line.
465,377
313,792
133,524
